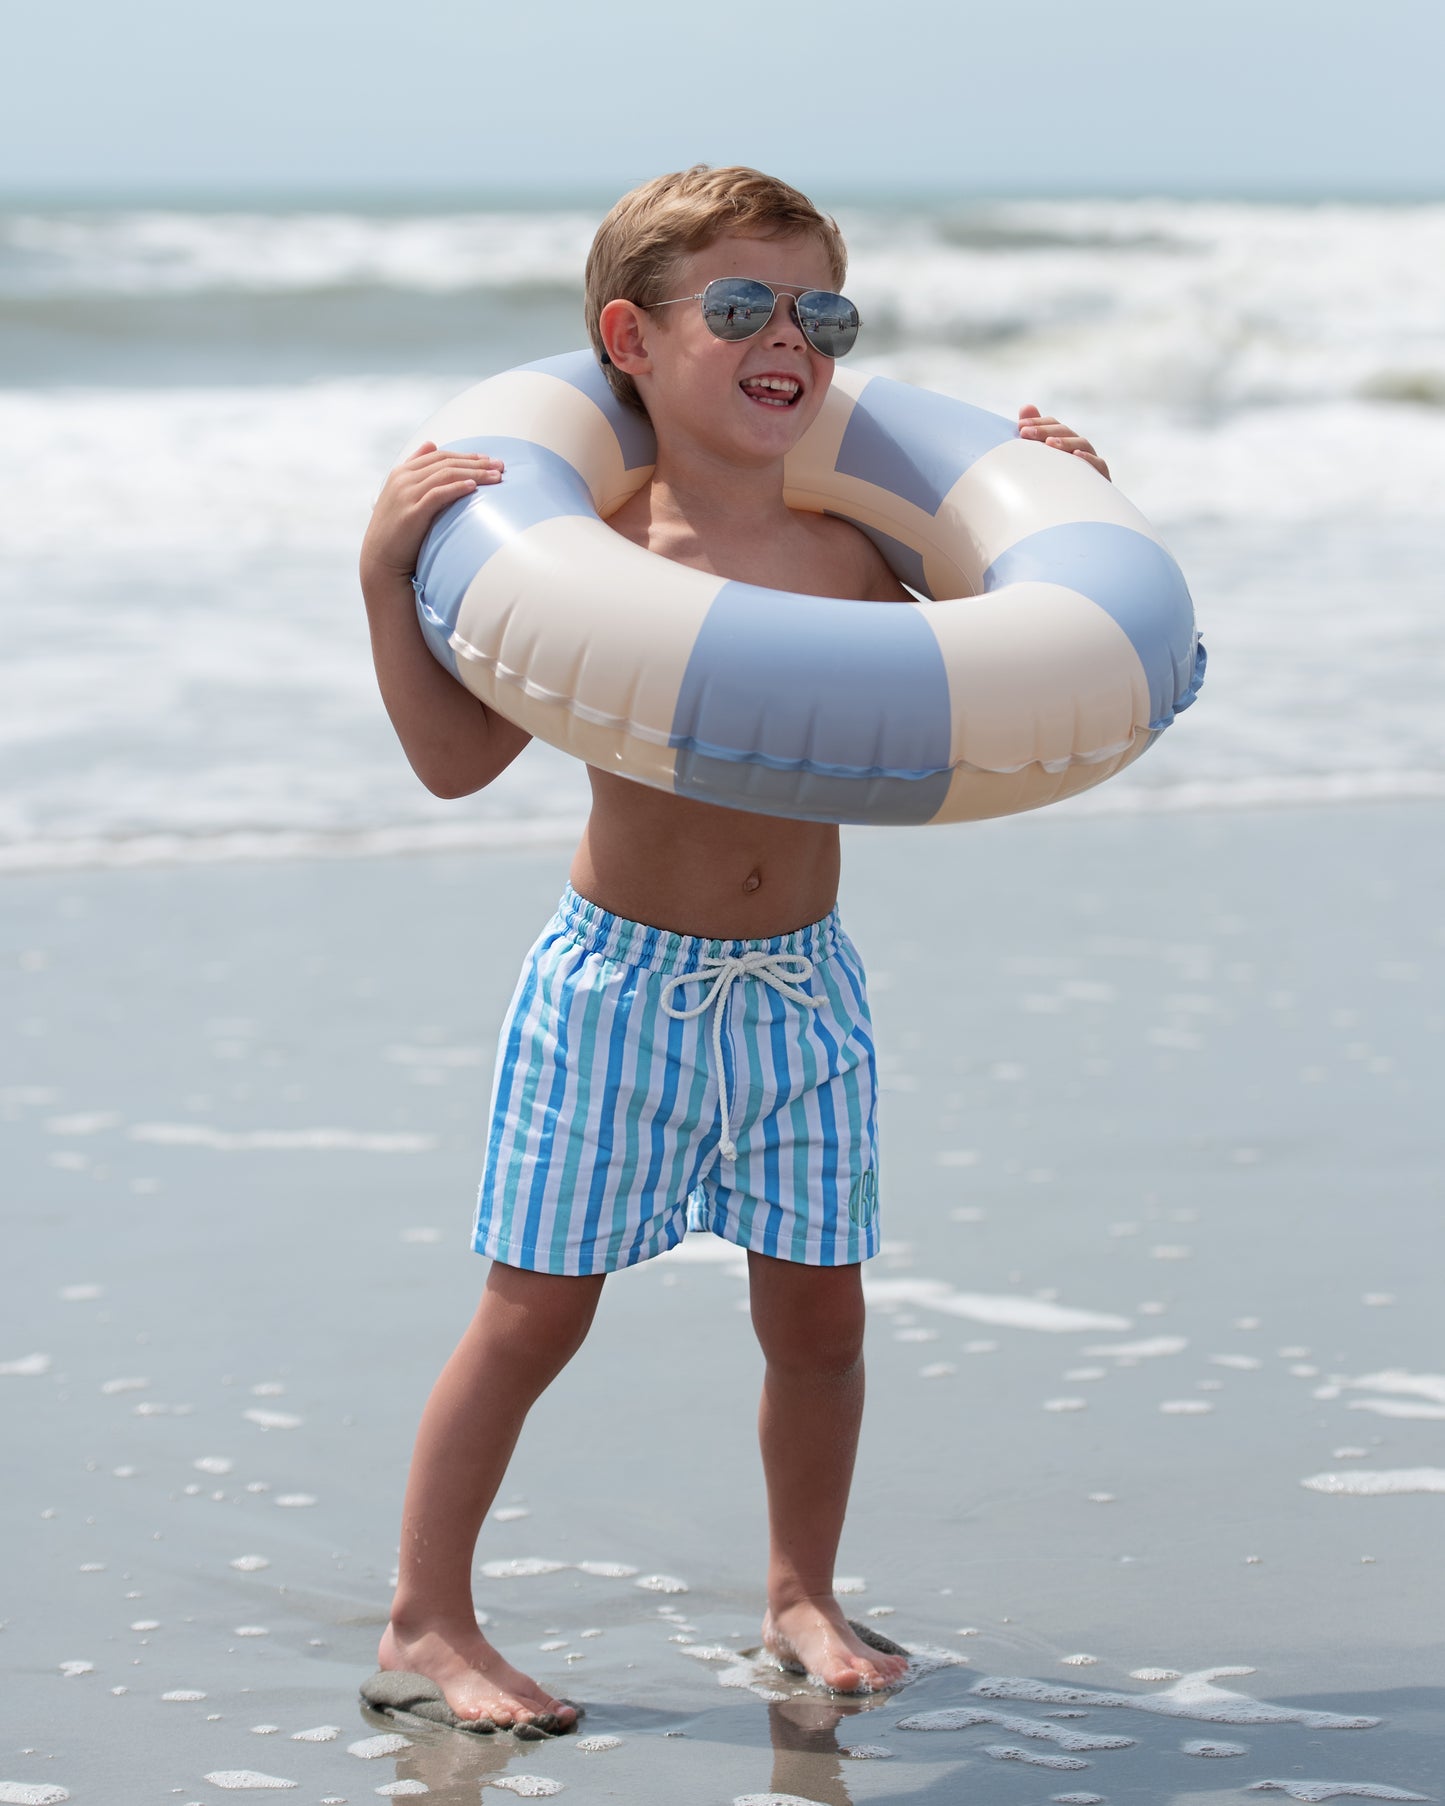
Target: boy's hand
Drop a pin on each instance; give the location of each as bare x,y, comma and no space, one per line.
412,497
1033,425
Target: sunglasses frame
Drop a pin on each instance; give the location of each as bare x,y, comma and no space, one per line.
779,294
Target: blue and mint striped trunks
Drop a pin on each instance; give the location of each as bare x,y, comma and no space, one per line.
648,1083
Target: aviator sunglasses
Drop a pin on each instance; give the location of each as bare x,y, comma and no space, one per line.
737,307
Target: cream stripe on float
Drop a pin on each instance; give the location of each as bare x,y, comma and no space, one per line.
1021,488
980,795
529,404
525,644
1037,675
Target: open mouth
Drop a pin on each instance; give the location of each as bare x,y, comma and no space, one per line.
772,391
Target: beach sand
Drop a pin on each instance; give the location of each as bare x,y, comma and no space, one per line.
1162,1186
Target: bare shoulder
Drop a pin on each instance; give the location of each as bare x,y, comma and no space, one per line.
850,564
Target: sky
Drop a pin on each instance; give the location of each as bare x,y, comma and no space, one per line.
1233,97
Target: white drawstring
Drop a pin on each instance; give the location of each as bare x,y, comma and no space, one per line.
785,972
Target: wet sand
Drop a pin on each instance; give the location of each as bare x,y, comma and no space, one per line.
1163,1242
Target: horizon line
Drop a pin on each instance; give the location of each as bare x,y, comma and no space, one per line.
590,194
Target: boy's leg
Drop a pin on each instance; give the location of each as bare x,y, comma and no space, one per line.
527,1327
809,1323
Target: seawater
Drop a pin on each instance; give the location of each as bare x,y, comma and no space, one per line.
197,408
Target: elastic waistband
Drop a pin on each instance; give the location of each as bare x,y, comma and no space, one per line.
660,950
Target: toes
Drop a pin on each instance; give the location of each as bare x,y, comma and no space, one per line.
885,1674
542,1728
527,1721
531,1723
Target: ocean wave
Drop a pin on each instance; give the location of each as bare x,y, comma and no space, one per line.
207,340
160,251
168,252
264,845
1197,306
260,845
1184,306
126,484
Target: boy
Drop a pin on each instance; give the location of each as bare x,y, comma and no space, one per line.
689,1045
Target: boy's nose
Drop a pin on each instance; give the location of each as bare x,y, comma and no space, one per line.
783,328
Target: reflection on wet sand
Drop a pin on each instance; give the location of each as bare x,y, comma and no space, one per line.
808,1754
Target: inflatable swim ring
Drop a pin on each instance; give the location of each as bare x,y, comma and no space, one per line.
1065,646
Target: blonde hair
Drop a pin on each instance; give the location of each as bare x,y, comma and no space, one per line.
641,240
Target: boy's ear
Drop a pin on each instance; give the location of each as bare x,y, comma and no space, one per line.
623,326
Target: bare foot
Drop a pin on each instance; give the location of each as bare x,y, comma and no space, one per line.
475,1679
813,1634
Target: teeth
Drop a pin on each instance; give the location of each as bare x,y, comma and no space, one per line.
783,384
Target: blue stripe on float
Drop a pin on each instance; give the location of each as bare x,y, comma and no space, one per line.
905,564
537,486
1135,581
635,437
1196,678
815,708
915,444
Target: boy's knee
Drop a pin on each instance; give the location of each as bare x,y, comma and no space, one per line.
545,1311
811,1319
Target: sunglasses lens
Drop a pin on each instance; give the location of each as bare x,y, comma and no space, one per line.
829,322
735,307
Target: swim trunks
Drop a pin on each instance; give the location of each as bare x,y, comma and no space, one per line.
648,1083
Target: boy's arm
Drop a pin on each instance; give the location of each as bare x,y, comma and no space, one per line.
454,743
1033,425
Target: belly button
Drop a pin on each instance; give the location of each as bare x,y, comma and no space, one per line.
752,881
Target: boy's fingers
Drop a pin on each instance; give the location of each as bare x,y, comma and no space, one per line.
429,458
456,462
425,502
444,478
473,467
1057,437
425,482
460,487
